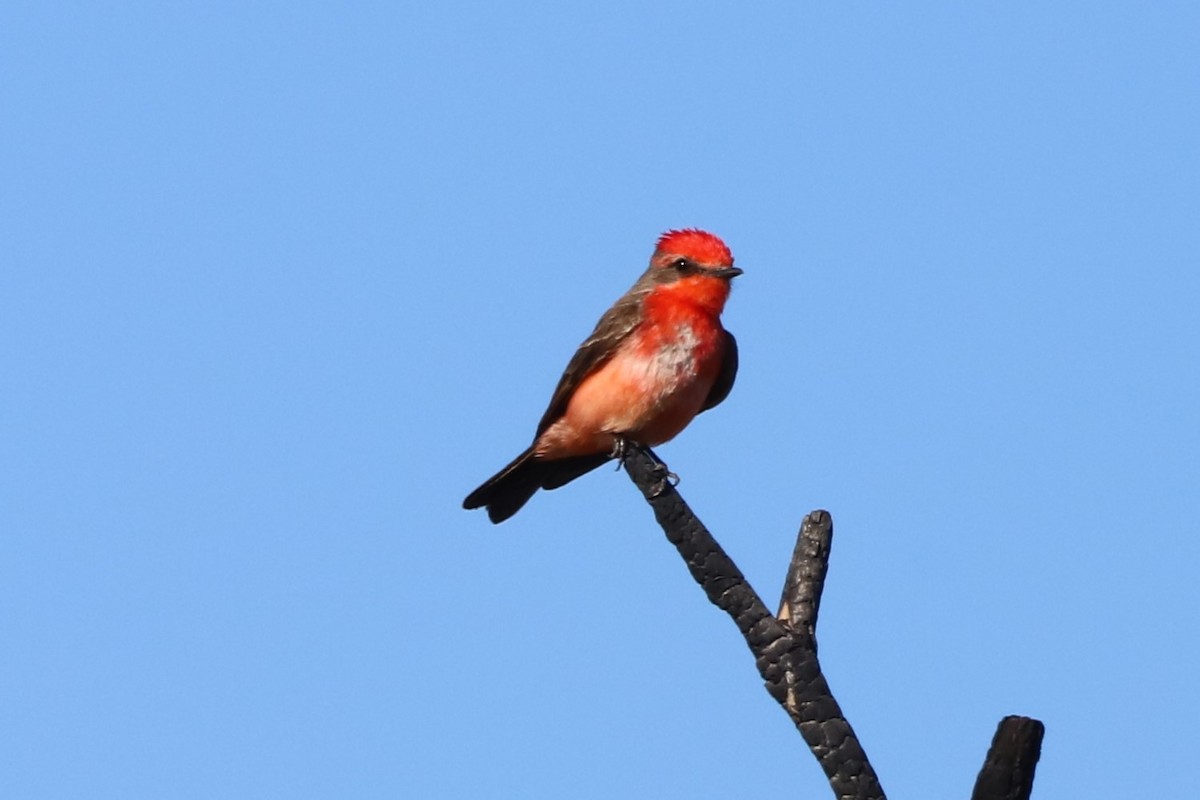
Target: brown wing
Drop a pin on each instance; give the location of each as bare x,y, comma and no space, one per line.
724,382
617,323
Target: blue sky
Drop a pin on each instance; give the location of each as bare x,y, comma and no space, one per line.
282,282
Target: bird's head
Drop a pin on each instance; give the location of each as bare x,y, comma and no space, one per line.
694,264
693,252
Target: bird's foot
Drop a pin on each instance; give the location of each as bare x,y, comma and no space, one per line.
622,447
662,467
665,479
664,475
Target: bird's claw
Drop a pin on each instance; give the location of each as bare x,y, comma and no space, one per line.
665,478
622,447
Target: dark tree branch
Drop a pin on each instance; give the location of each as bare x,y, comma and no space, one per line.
1007,772
785,646
805,579
785,653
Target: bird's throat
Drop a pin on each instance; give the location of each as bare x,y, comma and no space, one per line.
695,293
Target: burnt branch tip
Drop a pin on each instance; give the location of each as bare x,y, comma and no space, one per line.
1011,761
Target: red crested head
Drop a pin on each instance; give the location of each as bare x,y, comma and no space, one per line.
699,246
692,268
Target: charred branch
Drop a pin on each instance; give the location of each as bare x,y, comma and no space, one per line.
785,646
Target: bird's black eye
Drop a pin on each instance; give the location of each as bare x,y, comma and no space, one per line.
682,264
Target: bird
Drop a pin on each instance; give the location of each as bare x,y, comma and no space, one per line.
657,358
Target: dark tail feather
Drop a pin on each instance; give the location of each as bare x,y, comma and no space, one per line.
505,492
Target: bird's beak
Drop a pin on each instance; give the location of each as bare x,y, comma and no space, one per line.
725,272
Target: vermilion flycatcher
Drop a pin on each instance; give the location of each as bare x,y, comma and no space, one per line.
656,359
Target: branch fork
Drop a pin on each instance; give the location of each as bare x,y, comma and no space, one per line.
785,645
